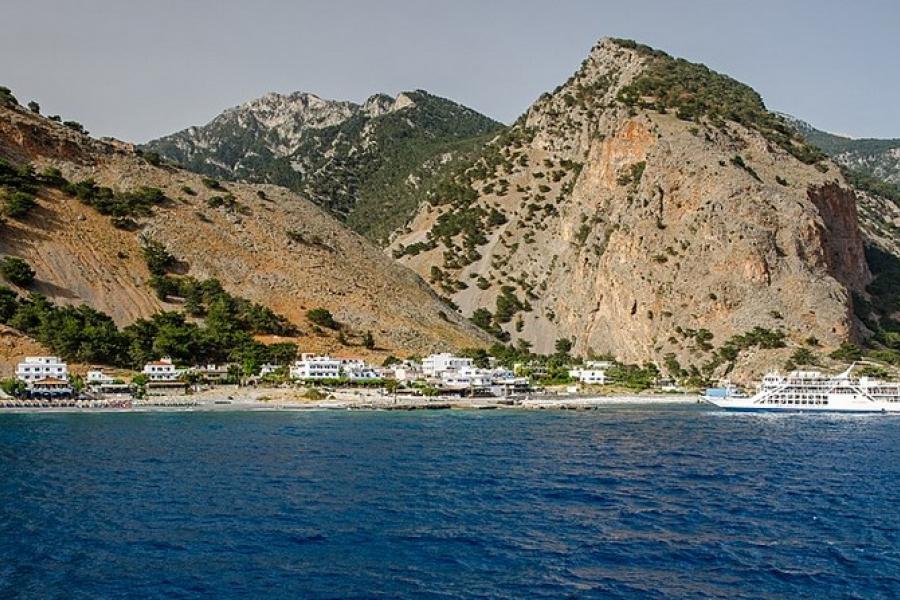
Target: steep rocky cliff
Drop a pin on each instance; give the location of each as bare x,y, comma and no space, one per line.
651,209
263,242
362,162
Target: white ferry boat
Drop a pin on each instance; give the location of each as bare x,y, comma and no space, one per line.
812,391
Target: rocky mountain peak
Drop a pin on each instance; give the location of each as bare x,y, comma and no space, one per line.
304,110
644,200
381,104
292,111
337,153
565,120
377,104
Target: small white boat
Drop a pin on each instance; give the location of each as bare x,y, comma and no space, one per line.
812,391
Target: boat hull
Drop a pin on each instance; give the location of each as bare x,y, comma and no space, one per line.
834,406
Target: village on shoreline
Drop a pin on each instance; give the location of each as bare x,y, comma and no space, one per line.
444,380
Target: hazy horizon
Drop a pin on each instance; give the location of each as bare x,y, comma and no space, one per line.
138,72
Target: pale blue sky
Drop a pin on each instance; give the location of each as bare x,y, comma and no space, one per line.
138,70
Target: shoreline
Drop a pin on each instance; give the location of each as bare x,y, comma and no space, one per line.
224,403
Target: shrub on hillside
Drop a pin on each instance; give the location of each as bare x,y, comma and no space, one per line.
76,126
6,97
508,304
153,158
847,352
135,203
17,271
322,317
159,260
17,204
369,341
212,184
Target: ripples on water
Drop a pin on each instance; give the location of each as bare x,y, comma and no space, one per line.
642,502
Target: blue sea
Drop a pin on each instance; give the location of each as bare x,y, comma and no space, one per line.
649,502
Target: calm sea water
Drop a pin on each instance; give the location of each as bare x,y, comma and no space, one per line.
641,502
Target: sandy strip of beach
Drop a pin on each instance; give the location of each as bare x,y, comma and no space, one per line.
291,400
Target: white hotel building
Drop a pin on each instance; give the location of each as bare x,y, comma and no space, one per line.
162,370
316,367
593,372
438,364
37,368
96,377
467,378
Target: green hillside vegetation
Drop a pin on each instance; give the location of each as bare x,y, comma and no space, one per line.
879,312
464,224
7,98
201,299
353,183
869,164
134,203
863,181
19,185
388,200
833,144
82,334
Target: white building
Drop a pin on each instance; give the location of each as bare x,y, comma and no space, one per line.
497,381
466,378
100,382
316,367
589,375
505,382
162,370
403,373
407,370
353,363
213,372
96,377
36,368
437,364
268,369
365,373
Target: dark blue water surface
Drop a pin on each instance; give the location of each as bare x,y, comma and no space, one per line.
639,502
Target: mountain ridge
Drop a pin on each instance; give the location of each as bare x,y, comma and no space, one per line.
349,158
875,157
